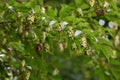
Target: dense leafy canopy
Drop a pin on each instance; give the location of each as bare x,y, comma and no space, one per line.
59,40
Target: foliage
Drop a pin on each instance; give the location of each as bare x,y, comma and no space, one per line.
74,40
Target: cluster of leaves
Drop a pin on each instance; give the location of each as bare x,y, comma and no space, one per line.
78,40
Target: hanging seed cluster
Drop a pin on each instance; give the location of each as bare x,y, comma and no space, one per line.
84,42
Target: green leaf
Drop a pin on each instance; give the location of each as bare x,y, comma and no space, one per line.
100,74
85,6
79,2
115,73
65,11
51,12
18,46
115,62
107,51
83,24
37,9
104,41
